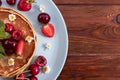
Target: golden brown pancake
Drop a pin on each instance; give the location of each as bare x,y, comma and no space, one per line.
21,62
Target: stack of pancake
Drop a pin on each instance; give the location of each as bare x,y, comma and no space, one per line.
21,62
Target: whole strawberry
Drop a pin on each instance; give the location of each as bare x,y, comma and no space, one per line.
25,5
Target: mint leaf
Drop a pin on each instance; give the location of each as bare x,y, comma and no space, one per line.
4,35
2,51
2,26
2,56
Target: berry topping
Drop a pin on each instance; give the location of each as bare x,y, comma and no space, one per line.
9,28
9,52
11,2
17,35
33,77
34,69
48,30
21,76
9,44
20,47
0,2
41,61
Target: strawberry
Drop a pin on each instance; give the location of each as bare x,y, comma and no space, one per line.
25,5
48,30
20,47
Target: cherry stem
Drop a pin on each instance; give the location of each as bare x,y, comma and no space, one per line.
26,71
30,1
22,78
45,48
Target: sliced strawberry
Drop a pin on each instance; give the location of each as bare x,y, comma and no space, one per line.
20,47
48,30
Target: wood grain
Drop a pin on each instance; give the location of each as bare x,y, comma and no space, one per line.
94,40
83,2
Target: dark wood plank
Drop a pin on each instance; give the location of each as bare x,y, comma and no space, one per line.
94,42
68,2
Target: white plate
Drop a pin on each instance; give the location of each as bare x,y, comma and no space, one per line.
56,56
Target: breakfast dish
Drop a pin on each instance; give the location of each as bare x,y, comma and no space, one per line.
17,42
52,39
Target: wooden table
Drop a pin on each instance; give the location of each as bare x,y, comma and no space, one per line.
94,39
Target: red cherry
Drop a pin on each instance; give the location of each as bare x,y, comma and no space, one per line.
14,45
6,44
9,44
41,61
44,18
1,40
0,2
34,69
17,35
9,28
33,77
9,52
11,2
21,76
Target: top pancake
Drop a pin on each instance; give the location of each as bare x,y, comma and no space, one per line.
21,62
